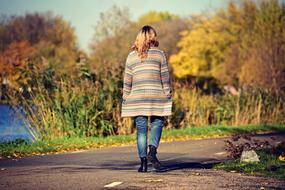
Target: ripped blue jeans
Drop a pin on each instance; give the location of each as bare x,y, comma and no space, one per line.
141,122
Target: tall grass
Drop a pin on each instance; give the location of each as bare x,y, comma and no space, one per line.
192,107
75,109
84,108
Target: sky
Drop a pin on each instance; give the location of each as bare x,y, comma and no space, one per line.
84,14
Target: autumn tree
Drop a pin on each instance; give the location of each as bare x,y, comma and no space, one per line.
203,47
14,65
111,42
51,39
264,64
168,27
32,27
240,45
153,17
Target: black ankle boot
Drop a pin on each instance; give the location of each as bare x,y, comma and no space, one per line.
151,156
143,167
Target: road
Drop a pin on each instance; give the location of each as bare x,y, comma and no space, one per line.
188,166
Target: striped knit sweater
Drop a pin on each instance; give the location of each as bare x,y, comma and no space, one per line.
147,88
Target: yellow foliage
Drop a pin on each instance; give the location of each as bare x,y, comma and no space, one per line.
155,16
203,48
281,158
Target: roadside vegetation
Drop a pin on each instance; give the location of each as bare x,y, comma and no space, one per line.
272,163
20,147
269,159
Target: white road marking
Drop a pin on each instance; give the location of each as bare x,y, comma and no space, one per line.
220,153
113,184
77,151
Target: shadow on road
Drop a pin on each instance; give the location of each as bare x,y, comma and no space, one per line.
179,164
169,164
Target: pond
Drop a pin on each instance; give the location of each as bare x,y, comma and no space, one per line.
12,125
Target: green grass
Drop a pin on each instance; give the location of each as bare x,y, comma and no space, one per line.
219,131
269,164
21,148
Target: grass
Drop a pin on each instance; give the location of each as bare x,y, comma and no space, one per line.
269,164
93,108
20,148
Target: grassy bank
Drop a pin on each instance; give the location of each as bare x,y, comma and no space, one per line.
21,148
269,164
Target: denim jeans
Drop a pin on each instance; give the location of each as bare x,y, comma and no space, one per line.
141,122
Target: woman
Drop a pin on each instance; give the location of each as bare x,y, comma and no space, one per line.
147,93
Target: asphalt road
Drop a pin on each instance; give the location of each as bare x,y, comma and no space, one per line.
188,165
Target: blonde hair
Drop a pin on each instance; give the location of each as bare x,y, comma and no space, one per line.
146,38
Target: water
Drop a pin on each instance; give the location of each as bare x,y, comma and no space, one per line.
12,125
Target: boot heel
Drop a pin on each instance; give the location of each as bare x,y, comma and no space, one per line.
143,167
152,157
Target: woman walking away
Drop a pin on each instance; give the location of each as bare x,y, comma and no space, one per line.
147,93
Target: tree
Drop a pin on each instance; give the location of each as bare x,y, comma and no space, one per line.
42,38
13,63
264,65
110,24
113,37
204,46
243,44
153,17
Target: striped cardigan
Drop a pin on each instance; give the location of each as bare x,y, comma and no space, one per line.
147,87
